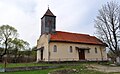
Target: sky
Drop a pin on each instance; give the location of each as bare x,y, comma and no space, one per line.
75,16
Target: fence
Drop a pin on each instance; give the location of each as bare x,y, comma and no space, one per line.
18,60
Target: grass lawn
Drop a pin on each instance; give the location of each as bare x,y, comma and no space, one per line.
23,64
80,67
29,72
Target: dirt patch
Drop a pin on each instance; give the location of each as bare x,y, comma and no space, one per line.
102,68
65,71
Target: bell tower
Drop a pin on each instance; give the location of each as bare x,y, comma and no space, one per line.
48,23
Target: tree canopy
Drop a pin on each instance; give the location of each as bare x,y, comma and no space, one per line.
16,49
107,25
7,34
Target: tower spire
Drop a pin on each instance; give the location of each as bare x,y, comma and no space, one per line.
49,13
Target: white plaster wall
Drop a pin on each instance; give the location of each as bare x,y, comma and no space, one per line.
63,53
43,42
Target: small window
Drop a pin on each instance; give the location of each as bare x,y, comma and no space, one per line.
71,49
95,50
55,48
88,51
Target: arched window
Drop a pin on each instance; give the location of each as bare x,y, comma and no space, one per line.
71,49
55,48
95,50
88,51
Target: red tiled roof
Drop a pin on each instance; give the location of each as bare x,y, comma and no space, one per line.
74,37
49,13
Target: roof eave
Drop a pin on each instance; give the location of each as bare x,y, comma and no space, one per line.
49,16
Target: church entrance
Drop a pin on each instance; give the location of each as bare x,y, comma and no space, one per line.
81,54
41,53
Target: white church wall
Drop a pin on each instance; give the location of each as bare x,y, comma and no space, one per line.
42,42
63,53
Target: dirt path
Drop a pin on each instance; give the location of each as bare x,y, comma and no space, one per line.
103,68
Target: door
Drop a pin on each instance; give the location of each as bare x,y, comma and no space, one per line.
42,54
81,54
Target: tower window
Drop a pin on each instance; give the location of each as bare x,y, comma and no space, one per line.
55,48
71,49
95,50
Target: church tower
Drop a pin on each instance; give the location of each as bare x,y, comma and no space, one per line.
48,23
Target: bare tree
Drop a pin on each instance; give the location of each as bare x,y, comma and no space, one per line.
107,26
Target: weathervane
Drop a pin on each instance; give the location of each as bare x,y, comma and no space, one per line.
48,6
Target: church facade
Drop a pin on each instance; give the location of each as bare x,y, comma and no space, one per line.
55,45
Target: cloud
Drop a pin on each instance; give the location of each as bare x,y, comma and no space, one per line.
24,22
72,15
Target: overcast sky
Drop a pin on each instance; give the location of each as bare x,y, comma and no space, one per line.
71,16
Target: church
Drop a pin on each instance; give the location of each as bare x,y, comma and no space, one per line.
55,45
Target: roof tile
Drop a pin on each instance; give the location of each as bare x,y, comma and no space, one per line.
74,37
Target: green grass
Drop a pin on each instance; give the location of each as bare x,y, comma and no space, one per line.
23,64
83,70
80,67
29,72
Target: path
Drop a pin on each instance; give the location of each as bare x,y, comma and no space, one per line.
103,68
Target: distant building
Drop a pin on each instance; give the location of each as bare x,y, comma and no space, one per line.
65,46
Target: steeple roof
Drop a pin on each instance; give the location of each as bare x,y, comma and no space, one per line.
49,13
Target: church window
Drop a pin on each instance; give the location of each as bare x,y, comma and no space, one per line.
55,48
95,50
71,49
88,51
